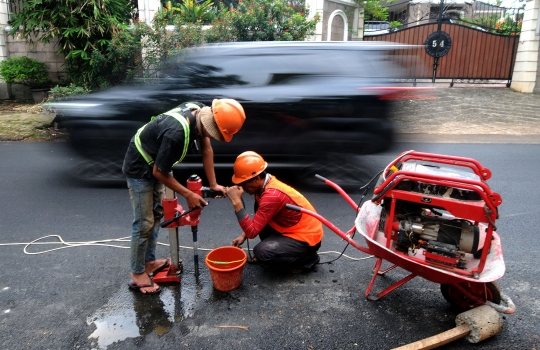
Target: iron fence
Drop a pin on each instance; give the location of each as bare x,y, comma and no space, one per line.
461,40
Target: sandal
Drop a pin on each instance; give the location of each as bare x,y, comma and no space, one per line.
137,287
165,265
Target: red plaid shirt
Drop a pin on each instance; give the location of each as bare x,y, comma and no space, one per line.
271,206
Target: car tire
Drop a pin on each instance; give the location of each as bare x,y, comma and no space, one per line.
99,171
348,171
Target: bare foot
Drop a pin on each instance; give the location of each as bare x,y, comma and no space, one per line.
156,265
143,279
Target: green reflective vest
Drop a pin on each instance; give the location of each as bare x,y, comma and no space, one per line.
176,113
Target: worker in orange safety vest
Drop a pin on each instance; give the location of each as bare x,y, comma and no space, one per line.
289,239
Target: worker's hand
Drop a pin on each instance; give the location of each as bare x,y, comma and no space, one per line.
238,241
235,193
195,201
219,188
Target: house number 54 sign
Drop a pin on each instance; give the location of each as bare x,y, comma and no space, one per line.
438,44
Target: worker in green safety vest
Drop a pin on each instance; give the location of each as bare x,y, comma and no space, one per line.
148,163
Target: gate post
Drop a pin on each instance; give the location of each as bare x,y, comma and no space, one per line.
5,89
526,75
316,7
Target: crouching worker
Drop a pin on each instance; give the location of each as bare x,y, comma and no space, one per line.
148,163
289,239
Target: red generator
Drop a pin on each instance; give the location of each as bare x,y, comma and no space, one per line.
434,216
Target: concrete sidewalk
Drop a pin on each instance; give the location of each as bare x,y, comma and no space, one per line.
466,111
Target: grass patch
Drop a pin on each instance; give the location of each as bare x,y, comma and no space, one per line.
22,121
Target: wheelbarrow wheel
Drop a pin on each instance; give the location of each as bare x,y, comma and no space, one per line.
483,291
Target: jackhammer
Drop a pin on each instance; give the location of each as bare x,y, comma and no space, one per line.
174,216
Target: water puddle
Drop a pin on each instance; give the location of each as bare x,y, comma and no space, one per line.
129,315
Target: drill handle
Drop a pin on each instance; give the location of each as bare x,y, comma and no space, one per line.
176,217
208,193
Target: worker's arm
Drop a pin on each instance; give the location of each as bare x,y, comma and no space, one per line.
270,204
238,241
193,200
235,196
208,165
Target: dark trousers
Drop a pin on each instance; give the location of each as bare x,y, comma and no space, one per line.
282,252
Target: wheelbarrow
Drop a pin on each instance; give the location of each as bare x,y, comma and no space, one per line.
433,216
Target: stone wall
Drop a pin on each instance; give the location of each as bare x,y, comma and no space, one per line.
15,46
46,53
537,87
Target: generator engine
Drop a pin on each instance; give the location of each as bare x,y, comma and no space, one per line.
445,239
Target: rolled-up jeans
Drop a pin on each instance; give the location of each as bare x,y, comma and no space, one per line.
144,194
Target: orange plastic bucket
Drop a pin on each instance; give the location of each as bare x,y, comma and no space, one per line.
226,265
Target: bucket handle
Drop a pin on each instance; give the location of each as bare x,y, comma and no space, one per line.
225,262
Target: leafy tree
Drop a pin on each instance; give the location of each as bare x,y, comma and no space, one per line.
121,59
60,93
267,20
124,58
374,10
191,11
80,26
509,24
221,29
102,50
508,27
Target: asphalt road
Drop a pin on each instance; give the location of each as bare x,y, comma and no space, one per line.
77,298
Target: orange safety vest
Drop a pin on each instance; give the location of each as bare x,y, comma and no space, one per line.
308,229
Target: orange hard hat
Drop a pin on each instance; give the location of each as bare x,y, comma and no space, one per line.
248,165
229,116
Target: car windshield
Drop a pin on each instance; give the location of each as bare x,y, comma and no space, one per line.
201,76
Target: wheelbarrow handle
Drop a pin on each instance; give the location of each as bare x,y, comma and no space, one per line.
319,177
331,226
339,190
293,207
378,196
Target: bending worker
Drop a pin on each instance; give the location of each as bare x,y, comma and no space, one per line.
289,239
148,163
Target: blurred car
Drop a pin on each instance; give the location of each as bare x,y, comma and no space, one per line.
310,106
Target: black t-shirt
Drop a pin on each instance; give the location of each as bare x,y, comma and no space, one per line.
163,140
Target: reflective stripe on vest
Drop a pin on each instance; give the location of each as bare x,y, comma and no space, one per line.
176,114
308,229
